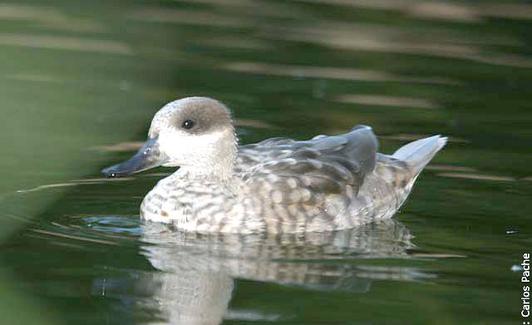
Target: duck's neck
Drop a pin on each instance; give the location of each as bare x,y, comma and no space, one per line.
221,171
218,166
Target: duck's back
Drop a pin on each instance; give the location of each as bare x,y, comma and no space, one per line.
308,185
359,146
329,182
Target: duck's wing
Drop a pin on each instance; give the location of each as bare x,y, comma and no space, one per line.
299,171
252,155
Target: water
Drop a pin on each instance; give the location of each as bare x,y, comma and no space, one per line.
81,80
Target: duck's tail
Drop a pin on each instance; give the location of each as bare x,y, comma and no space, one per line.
417,154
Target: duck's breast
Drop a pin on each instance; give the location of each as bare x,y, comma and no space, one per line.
201,206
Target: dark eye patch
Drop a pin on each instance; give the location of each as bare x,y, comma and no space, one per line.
188,124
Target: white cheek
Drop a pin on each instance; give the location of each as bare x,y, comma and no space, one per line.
185,149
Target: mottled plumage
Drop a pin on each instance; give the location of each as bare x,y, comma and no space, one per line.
278,185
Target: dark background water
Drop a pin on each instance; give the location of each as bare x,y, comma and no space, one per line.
80,81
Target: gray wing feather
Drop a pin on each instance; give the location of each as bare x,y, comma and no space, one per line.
301,171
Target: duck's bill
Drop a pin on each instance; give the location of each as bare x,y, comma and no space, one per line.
147,157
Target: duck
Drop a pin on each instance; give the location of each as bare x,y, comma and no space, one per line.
279,185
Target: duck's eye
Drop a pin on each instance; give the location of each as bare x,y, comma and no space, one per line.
188,124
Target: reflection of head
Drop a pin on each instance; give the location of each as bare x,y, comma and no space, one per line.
188,297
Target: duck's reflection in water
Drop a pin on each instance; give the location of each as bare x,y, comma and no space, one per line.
195,278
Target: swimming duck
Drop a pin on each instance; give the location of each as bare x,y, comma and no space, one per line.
278,185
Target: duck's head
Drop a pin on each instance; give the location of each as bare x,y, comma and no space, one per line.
194,133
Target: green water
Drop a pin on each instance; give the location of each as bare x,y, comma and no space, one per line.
80,79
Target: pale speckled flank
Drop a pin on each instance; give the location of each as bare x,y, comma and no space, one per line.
278,185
